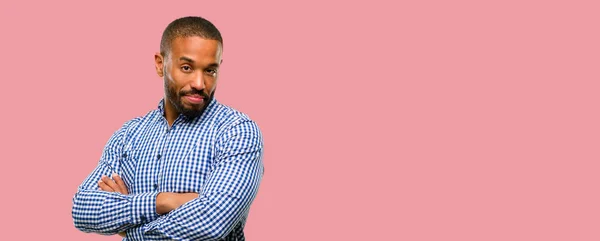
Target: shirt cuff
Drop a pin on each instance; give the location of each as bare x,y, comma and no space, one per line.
143,207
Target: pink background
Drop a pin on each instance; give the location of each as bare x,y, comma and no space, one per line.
436,120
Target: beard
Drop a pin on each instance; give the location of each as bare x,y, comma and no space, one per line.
174,97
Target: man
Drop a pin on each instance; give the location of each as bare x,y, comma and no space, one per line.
189,169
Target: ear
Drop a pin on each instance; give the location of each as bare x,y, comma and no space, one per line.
159,64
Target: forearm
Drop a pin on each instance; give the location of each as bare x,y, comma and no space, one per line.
205,218
110,212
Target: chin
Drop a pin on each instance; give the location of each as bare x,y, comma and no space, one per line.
190,107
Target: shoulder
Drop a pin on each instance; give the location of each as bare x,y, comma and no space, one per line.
136,124
227,117
230,121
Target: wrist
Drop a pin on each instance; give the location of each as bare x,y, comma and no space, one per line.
143,207
163,203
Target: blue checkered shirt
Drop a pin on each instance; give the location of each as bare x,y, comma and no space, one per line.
218,155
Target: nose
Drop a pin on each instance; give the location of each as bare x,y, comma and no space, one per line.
198,81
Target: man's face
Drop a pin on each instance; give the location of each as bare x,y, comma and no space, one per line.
190,73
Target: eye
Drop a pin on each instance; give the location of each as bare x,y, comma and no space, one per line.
186,68
211,71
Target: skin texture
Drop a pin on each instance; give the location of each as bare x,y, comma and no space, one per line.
190,73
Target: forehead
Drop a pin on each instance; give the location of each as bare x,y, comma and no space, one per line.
196,48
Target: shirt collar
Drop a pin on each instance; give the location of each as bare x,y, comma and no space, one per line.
161,106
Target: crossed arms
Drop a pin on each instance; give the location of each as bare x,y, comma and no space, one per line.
165,201
104,206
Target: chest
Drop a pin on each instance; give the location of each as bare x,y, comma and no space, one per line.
163,160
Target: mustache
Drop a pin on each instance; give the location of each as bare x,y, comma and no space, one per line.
193,92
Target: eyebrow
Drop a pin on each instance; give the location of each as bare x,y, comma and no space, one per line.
186,59
183,58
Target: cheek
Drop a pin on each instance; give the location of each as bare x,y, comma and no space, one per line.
172,84
173,75
175,80
210,87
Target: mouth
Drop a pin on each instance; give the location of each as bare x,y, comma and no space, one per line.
194,98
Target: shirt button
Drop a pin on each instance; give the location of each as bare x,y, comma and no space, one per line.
158,157
155,186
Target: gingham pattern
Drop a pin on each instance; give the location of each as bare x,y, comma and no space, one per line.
218,155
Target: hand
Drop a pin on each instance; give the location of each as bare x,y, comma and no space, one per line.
167,201
108,185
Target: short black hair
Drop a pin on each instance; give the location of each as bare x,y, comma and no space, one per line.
188,27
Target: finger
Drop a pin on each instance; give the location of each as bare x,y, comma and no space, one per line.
104,187
121,183
111,184
114,185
